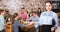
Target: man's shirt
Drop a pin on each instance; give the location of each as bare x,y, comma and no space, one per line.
2,22
36,20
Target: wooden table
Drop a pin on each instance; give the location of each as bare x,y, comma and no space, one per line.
8,26
28,26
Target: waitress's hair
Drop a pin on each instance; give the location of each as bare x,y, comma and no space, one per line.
48,2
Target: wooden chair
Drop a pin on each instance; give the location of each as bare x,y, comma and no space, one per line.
8,27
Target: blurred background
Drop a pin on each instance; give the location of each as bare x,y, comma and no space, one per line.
14,6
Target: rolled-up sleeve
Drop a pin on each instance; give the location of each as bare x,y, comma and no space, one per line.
56,20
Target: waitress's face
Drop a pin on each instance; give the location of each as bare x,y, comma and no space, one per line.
48,7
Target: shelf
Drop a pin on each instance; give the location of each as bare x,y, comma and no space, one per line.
56,10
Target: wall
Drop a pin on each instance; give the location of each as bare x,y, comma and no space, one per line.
16,5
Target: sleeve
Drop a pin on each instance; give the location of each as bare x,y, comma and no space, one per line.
2,21
56,20
20,25
40,19
37,22
16,23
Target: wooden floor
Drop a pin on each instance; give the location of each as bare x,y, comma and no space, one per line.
58,30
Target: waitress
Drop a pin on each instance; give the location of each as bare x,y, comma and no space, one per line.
47,17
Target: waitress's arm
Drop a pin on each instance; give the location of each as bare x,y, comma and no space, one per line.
56,21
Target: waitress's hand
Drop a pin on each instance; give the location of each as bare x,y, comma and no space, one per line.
52,29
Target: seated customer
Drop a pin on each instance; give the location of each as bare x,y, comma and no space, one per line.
23,14
16,23
2,20
35,19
